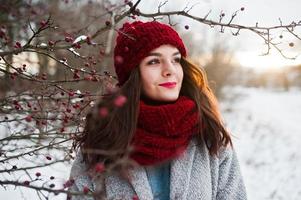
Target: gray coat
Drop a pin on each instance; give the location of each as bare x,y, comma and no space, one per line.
194,176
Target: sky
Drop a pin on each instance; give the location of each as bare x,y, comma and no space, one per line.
248,47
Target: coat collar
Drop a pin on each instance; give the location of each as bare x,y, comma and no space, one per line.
141,184
119,188
180,175
180,171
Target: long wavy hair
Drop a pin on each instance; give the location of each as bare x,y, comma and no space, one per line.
107,138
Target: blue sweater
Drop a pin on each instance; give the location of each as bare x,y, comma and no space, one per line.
159,179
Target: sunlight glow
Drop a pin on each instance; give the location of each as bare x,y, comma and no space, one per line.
262,63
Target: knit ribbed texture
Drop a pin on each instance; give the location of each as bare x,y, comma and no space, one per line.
164,131
135,41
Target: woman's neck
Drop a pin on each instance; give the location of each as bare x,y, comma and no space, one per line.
152,102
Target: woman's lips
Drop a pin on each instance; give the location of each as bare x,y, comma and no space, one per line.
168,84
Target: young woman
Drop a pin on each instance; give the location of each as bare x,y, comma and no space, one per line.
160,135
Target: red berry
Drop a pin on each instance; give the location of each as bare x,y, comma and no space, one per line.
99,167
135,197
43,23
88,40
62,130
77,45
119,59
85,190
37,122
88,78
103,112
26,182
28,118
18,45
75,106
71,94
50,43
76,76
69,39
69,183
136,11
38,174
120,101
72,181
108,23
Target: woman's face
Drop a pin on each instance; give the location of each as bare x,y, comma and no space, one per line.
162,74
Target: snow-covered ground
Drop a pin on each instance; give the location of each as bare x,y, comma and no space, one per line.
267,137
267,134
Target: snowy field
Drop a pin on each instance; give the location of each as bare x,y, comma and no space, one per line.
267,138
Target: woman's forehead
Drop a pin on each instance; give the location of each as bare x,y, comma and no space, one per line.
164,50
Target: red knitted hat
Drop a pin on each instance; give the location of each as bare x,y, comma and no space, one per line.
134,42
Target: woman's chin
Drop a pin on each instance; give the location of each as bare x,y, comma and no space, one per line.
167,98
160,99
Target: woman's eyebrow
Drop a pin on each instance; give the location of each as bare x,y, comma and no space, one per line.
159,55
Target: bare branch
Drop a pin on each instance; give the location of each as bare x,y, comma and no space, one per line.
161,5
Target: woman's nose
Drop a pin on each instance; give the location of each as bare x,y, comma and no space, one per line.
168,68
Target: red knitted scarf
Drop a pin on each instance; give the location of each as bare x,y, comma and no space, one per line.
164,131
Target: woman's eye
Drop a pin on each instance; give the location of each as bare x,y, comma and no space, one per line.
154,61
177,60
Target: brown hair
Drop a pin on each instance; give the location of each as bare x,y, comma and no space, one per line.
105,139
